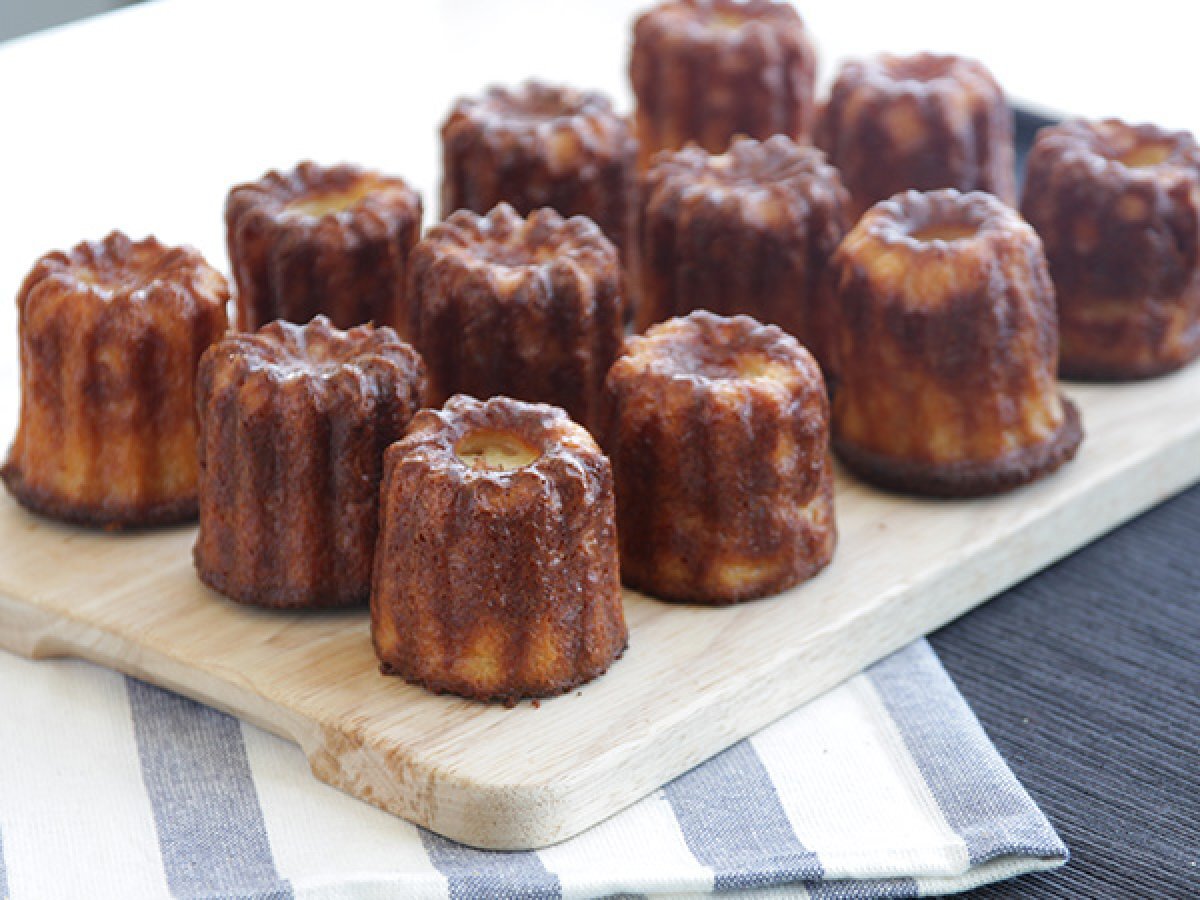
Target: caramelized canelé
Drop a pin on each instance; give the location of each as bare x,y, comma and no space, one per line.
1118,208
747,231
110,334
946,346
497,571
320,240
718,432
924,122
530,308
706,70
540,145
294,423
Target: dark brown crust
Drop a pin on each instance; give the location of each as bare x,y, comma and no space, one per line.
724,481
750,231
1123,245
349,265
497,585
108,515
294,423
751,62
920,122
529,308
946,348
540,145
968,479
110,334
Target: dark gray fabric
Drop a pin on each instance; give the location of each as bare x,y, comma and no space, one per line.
1087,678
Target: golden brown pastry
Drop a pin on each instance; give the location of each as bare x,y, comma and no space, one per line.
1118,209
946,346
748,231
706,70
294,423
496,576
719,438
110,334
321,240
530,308
922,122
540,145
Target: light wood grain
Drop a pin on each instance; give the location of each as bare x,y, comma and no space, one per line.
693,681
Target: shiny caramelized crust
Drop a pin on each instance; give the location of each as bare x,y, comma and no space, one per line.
719,439
496,575
1118,209
946,345
924,122
706,70
332,241
530,308
294,423
110,334
750,231
537,146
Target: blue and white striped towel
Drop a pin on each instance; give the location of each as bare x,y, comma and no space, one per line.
884,787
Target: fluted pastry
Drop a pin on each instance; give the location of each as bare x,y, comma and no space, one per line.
718,431
706,70
540,145
110,334
1118,209
530,308
294,423
497,572
320,240
747,231
946,347
922,122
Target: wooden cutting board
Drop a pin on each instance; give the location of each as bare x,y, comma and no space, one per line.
693,681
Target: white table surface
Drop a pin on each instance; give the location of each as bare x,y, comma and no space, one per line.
142,119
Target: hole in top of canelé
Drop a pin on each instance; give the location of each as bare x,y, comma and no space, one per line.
328,202
492,450
1145,155
945,231
728,363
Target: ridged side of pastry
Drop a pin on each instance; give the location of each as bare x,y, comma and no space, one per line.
497,583
110,335
920,122
706,70
946,347
321,241
748,231
529,308
1118,209
538,146
719,438
294,424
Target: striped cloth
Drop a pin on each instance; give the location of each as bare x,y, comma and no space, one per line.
884,787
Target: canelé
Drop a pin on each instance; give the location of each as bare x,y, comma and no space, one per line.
747,231
1118,209
922,122
110,334
540,145
946,348
706,70
529,308
320,240
718,432
294,423
496,575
